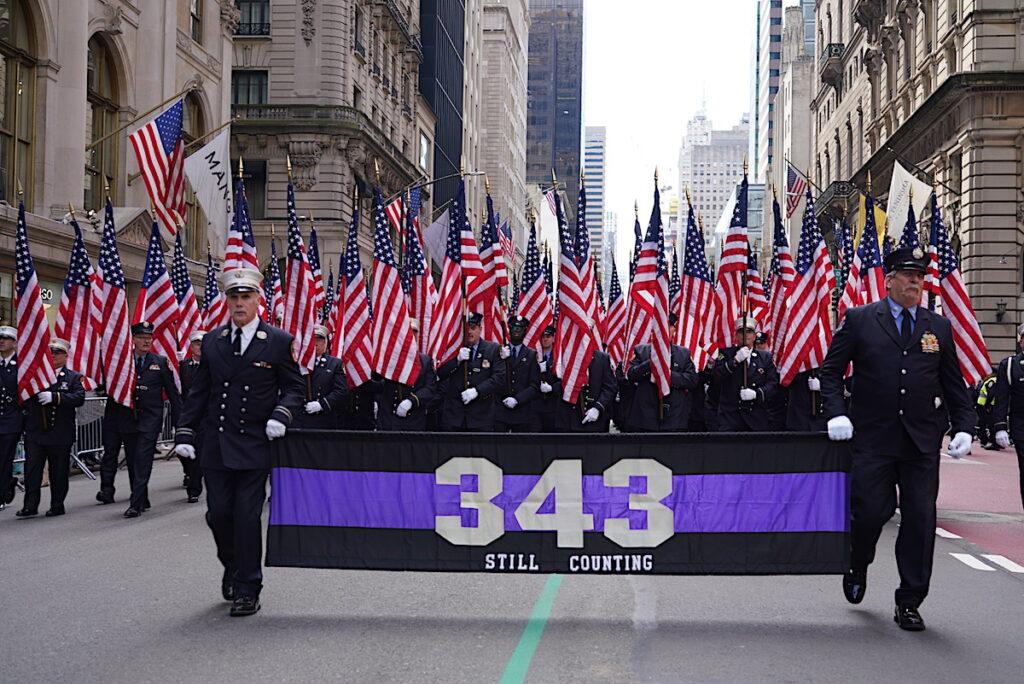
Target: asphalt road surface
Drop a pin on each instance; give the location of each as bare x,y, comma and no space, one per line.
93,597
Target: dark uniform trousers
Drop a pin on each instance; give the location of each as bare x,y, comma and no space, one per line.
423,395
805,411
49,434
522,382
138,428
232,398
484,371
325,384
905,395
1008,410
547,402
599,393
11,423
651,413
193,471
727,377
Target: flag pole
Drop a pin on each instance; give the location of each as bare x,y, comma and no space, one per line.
661,248
288,167
216,130
744,294
191,86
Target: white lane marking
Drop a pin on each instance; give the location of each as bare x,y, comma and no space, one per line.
1003,562
963,460
946,534
971,562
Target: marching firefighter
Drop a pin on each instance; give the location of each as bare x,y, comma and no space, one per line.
547,401
470,382
651,413
404,408
744,382
193,482
517,408
1008,412
325,387
12,417
592,411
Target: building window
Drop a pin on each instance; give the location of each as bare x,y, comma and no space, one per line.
254,19
195,20
424,152
357,98
17,107
248,87
357,32
254,173
101,118
193,233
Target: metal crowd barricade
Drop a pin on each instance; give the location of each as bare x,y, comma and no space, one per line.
89,432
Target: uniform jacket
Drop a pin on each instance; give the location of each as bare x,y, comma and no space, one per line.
326,384
913,386
1007,397
233,397
546,403
805,413
12,417
423,395
727,378
55,422
599,393
187,372
357,409
522,381
152,382
487,374
675,409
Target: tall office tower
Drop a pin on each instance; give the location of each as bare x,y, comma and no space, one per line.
767,65
594,156
611,233
698,132
714,166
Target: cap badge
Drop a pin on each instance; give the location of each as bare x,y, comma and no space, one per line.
918,253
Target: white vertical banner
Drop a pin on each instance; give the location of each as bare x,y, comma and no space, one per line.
900,187
435,238
209,172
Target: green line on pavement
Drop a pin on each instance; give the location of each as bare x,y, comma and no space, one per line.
519,663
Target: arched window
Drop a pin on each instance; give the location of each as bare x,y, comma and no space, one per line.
17,99
193,127
101,118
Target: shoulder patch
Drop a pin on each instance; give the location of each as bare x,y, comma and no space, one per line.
260,334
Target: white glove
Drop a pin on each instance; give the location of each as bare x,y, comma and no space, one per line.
314,407
543,366
545,388
403,408
1003,438
185,451
742,354
960,445
45,398
275,429
747,394
510,402
463,353
505,351
840,429
591,416
469,395
814,384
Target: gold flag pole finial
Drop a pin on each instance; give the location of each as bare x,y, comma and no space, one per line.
745,166
240,167
71,211
487,184
288,165
273,233
689,201
655,175
554,180
636,210
869,182
376,170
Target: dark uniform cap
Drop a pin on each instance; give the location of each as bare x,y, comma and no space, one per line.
474,319
761,338
906,259
519,322
142,328
550,330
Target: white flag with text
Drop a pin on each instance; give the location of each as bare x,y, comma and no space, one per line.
209,172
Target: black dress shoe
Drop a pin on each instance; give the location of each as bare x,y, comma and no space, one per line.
855,584
26,513
908,618
8,497
55,511
227,590
244,606
146,506
105,497
193,499
132,513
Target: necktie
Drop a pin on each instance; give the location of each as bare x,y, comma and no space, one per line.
472,354
236,344
138,364
905,326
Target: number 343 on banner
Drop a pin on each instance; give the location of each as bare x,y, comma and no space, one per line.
564,478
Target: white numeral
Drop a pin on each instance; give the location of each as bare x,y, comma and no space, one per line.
490,518
660,523
565,477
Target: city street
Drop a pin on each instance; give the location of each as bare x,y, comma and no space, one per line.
94,597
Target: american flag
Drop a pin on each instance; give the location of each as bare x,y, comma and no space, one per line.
575,337
585,265
472,265
160,152
188,309
615,320
674,294
500,258
534,303
728,301
324,315
845,249
352,326
508,248
696,288
272,290
795,186
446,330
300,303
158,304
549,272
865,282
313,255
396,213
77,311
395,356
638,325
757,302
241,249
956,306
422,293
114,333
513,305
215,306
650,290
910,239
482,293
808,328
35,365
780,277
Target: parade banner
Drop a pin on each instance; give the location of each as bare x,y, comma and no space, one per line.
613,504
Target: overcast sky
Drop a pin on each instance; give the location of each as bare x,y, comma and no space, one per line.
648,65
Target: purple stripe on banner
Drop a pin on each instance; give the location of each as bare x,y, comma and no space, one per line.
786,502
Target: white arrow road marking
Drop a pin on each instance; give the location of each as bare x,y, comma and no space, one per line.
1003,562
971,562
946,534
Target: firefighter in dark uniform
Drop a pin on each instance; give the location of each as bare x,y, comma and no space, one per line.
778,407
401,408
548,399
12,417
651,413
470,382
139,427
806,409
357,410
244,394
1008,412
517,409
49,434
907,389
745,382
193,481
326,391
592,411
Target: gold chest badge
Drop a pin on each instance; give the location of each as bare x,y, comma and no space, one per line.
929,343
